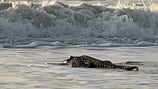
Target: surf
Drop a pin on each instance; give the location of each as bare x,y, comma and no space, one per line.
84,24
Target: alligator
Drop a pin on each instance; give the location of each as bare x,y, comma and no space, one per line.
90,62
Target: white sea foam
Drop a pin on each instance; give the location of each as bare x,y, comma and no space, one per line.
34,44
80,25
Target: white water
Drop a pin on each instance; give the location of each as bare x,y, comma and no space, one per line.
79,25
27,68
108,32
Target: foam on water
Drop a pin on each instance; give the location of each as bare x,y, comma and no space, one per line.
83,24
27,69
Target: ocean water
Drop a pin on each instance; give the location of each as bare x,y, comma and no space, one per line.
28,68
31,36
106,24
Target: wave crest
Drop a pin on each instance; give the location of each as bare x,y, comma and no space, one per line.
85,23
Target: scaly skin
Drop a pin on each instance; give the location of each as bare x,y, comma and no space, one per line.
90,62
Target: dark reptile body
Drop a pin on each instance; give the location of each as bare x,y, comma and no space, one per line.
90,62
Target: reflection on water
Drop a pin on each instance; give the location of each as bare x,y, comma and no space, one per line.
27,69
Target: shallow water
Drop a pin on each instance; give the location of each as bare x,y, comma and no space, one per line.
27,68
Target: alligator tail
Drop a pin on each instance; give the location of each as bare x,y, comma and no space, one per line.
128,68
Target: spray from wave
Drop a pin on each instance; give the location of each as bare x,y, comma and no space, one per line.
83,24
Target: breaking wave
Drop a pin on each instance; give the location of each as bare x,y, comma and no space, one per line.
76,25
